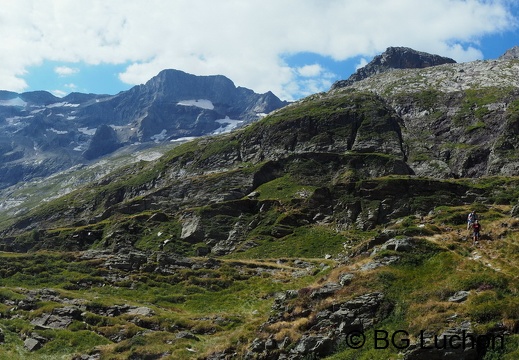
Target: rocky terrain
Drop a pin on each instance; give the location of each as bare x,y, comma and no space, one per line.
332,228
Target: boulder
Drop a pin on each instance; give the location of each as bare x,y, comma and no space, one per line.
403,244
60,318
459,296
32,344
326,290
141,311
191,228
187,335
314,344
127,261
345,279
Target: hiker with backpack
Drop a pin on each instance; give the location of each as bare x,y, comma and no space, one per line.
476,228
471,218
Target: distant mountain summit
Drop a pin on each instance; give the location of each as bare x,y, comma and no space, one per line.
394,58
41,134
512,53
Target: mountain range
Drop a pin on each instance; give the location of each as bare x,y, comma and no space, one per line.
42,134
334,227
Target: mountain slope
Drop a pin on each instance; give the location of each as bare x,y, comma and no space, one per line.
333,217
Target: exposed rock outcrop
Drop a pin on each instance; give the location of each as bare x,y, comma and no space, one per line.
512,53
394,58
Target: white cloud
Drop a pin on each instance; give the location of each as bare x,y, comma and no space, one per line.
310,70
58,93
65,71
243,40
363,62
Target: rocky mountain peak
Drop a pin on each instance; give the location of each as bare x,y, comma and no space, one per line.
41,134
179,84
512,53
394,58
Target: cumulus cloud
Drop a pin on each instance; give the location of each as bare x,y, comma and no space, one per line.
58,93
363,62
65,71
310,70
243,40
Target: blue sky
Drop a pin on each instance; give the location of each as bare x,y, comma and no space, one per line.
291,47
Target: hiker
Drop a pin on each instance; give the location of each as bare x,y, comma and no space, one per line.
476,227
471,218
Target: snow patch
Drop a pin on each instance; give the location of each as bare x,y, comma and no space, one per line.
202,103
229,125
57,131
186,138
81,146
118,127
13,102
62,104
159,137
16,120
87,131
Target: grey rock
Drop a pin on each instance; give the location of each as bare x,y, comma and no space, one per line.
187,335
191,228
257,345
314,344
60,318
302,264
131,260
169,260
238,231
459,296
141,311
326,290
345,279
357,314
403,244
379,262
32,344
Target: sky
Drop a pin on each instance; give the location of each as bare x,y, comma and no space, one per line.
293,48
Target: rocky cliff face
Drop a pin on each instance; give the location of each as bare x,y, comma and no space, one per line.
458,118
394,58
43,134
